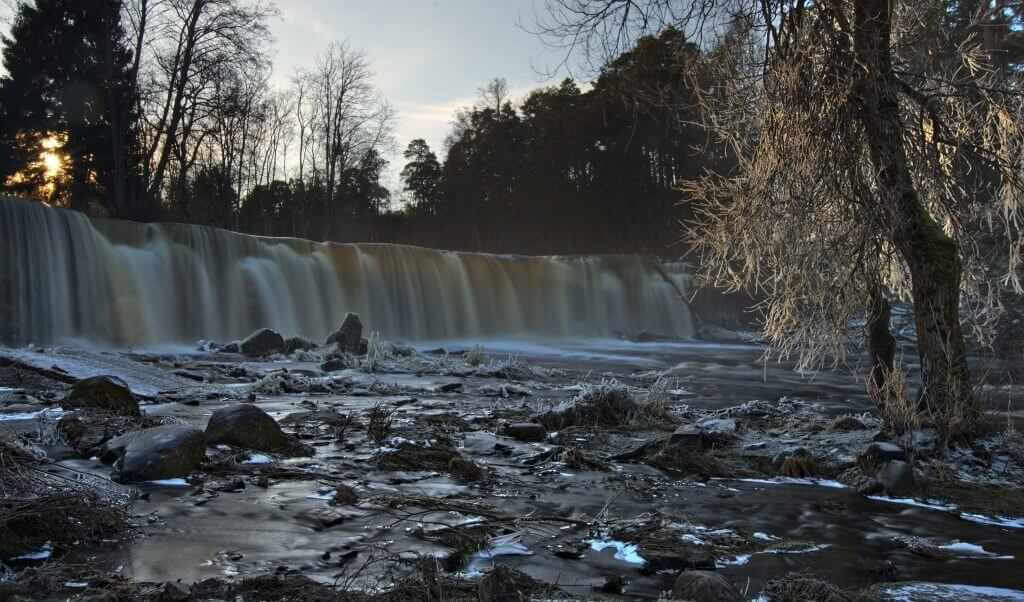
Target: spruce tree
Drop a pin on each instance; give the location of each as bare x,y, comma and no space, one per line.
68,80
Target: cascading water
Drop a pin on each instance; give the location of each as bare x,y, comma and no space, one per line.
65,276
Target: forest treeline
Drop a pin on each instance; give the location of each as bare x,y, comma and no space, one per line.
163,110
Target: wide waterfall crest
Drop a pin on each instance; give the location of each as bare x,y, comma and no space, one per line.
65,276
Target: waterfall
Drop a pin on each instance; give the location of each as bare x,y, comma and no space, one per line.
64,276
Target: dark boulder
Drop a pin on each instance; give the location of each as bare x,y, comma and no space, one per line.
263,342
526,431
897,478
883,451
349,336
704,586
161,452
104,393
244,425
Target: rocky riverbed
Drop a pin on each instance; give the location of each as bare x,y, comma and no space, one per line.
361,469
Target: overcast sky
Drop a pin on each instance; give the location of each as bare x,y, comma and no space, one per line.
430,56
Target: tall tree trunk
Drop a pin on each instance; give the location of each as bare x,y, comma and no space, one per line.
881,345
930,254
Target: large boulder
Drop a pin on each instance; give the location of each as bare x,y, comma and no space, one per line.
897,478
704,586
349,336
162,452
104,393
263,342
244,425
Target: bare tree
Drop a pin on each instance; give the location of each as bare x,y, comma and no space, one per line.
194,42
349,116
877,146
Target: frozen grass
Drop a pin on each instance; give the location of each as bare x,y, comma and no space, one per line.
40,508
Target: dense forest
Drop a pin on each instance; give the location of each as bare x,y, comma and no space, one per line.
163,110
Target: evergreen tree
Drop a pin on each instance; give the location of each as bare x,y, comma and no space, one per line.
68,93
422,176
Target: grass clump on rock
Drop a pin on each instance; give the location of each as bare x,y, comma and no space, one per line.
608,404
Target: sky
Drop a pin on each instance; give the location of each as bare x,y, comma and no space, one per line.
430,56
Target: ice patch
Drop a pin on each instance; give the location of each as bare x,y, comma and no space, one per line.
737,560
807,550
970,550
1010,523
258,459
49,412
42,554
625,552
693,539
906,501
170,482
764,536
950,591
327,495
789,481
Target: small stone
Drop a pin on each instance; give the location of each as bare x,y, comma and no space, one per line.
780,458
687,436
526,431
848,423
174,591
883,451
704,586
897,478
293,344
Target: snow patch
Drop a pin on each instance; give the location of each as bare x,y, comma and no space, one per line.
625,552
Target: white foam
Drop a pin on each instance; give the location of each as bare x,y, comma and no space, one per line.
42,554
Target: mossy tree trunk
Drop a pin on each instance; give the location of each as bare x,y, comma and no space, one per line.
931,256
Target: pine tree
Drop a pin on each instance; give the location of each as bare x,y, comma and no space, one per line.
68,93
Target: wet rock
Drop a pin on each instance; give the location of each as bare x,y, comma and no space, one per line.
704,586
293,344
848,423
263,342
105,393
325,518
897,478
336,364
711,332
161,452
526,431
244,425
686,436
349,336
779,459
174,591
883,451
